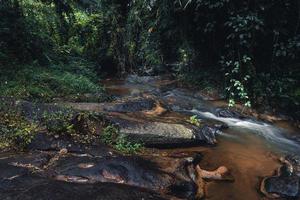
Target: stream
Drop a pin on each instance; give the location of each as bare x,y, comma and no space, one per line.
248,147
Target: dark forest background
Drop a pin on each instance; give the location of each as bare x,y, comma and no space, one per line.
249,49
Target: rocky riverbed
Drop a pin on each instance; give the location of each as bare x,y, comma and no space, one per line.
191,149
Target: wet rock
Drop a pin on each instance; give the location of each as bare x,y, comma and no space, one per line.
218,125
131,105
38,175
124,105
207,134
46,142
125,170
294,162
28,187
9,171
149,173
286,182
37,111
184,190
15,165
161,133
282,186
180,100
142,79
226,113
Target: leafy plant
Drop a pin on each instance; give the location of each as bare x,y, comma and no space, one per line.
120,142
109,135
123,145
60,122
194,120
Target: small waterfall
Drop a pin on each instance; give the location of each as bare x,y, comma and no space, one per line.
269,132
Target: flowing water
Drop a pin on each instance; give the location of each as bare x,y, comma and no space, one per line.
249,148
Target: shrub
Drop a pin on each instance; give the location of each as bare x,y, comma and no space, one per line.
59,122
120,142
15,130
37,83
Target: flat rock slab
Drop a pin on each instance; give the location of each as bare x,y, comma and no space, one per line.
58,176
161,133
45,142
122,106
130,105
129,170
30,187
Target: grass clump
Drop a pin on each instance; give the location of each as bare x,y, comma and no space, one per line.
120,142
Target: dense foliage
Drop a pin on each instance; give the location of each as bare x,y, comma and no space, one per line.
250,48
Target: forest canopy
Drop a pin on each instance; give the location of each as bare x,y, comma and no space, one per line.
248,48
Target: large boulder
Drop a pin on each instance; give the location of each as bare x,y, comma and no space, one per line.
282,186
22,174
130,170
162,134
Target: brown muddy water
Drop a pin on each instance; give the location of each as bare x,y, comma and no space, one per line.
249,148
